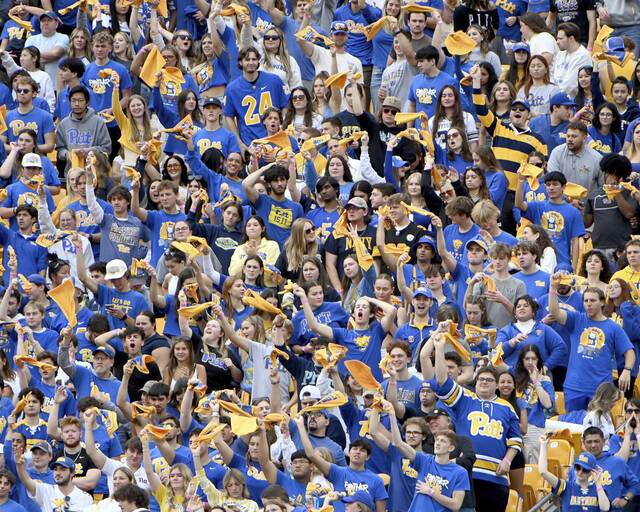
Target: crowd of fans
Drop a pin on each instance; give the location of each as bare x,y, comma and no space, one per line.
291,255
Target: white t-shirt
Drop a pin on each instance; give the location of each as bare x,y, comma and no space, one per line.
321,58
440,132
565,69
49,497
110,467
45,44
543,43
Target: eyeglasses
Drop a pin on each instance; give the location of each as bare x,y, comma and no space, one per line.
184,37
488,380
389,111
271,38
518,109
299,97
23,91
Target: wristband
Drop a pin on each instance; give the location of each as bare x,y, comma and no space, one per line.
626,498
627,369
430,491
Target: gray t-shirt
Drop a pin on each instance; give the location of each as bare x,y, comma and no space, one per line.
582,168
397,78
511,288
611,229
261,386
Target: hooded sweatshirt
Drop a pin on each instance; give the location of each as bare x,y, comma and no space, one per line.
87,132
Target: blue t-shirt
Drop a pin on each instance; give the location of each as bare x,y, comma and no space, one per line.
457,241
594,346
327,313
101,89
161,224
221,139
350,481
507,9
38,120
604,144
357,43
32,258
323,220
247,101
402,486
362,345
562,222
408,390
447,478
424,91
552,135
497,185
12,506
278,216
131,302
537,284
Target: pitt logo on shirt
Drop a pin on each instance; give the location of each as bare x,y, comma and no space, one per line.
482,425
100,85
591,341
281,217
552,223
426,95
204,144
407,470
506,5
18,125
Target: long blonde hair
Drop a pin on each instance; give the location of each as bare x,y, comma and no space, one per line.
604,399
187,475
296,246
88,53
282,53
146,133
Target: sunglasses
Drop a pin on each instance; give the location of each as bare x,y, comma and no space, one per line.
631,411
184,37
271,38
518,109
389,111
23,91
453,136
580,469
308,231
299,98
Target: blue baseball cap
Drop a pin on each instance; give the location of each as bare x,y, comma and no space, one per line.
360,497
524,103
614,44
339,27
521,47
586,461
50,14
65,462
108,351
561,98
37,279
397,161
424,292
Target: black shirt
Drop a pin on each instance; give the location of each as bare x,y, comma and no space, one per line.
574,11
342,246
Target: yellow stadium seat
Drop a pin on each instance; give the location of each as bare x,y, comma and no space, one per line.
532,482
560,457
560,408
636,387
515,502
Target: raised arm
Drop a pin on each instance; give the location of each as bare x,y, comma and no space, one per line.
554,306
97,457
320,463
314,325
249,183
122,400
378,432
154,480
136,209
23,475
448,261
235,338
440,363
81,266
396,437
52,424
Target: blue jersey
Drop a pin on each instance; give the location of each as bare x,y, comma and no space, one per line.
357,43
446,478
562,222
492,426
362,345
67,408
425,90
131,302
33,435
415,335
296,490
351,481
247,101
382,45
323,220
101,89
161,224
36,119
528,399
278,216
221,139
19,492
594,346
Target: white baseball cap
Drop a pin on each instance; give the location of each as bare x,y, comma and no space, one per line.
115,269
31,160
